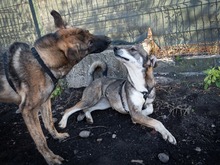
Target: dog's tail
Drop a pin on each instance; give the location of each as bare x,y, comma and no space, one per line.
97,69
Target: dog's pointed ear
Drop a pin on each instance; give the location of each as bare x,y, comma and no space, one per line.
58,21
149,33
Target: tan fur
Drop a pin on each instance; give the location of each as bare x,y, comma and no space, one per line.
60,51
150,45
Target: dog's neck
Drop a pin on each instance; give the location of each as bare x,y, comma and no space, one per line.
52,56
136,77
141,79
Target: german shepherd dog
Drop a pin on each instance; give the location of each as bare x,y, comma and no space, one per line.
29,75
134,95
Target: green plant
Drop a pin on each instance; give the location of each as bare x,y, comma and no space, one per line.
212,77
61,85
178,58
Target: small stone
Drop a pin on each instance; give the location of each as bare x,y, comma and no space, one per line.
55,120
137,161
164,117
80,117
84,134
18,111
75,152
198,149
213,126
163,157
113,136
99,139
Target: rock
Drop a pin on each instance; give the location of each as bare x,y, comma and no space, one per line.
163,157
137,161
55,120
99,139
80,117
84,134
163,80
198,149
113,136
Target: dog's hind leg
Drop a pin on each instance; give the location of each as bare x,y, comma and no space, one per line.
137,117
30,115
79,106
101,105
47,118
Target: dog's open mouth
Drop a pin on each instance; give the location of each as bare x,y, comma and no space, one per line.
121,57
116,52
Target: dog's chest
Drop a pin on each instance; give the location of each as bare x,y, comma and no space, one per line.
137,98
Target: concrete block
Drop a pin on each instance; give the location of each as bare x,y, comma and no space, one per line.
78,76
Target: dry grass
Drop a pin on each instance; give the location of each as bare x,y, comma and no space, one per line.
190,49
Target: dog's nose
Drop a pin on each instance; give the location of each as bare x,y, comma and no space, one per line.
108,40
115,49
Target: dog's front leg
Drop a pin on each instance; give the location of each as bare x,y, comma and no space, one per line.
48,121
138,117
148,110
32,122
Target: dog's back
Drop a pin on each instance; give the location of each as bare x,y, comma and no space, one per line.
15,62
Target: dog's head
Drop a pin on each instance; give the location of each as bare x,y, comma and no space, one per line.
74,43
134,57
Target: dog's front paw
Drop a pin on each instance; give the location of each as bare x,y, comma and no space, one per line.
168,136
152,62
61,136
53,159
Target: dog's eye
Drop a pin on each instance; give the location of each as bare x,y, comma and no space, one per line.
133,49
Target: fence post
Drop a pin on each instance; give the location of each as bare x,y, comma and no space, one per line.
34,18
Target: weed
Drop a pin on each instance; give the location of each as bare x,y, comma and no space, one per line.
212,77
61,85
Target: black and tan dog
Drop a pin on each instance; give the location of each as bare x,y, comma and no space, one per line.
29,75
134,95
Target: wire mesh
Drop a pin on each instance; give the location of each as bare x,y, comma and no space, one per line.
179,26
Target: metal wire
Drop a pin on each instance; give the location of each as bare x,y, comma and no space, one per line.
173,22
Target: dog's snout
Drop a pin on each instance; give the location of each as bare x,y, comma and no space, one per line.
116,49
108,40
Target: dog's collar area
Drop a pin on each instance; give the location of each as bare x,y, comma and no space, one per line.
147,93
43,65
5,61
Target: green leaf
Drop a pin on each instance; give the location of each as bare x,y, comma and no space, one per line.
206,86
217,83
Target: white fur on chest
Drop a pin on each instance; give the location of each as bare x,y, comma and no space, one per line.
137,99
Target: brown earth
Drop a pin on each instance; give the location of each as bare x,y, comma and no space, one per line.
189,112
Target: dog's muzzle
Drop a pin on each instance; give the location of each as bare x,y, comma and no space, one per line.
100,43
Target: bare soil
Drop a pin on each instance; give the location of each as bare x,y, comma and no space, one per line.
189,112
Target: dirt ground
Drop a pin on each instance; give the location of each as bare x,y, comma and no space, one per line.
189,112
